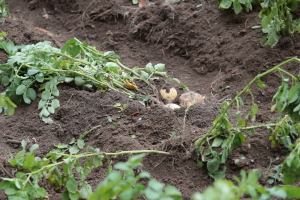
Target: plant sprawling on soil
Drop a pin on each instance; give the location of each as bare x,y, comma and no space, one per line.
74,113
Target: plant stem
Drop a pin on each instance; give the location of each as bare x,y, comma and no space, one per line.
71,58
200,141
93,154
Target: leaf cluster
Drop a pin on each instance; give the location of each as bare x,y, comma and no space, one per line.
41,67
246,185
215,146
277,19
276,16
3,10
291,166
284,133
64,169
124,184
224,140
287,99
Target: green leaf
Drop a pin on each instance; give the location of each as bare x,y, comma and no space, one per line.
265,21
68,79
237,7
293,94
172,191
74,196
217,142
39,77
97,161
65,195
33,147
10,110
297,108
256,27
144,75
152,195
32,71
44,112
112,67
31,94
74,149
51,110
239,139
42,104
213,165
85,191
55,91
20,89
46,95
261,84
28,162
5,80
80,143
292,192
159,67
55,103
41,192
72,185
79,81
225,4
135,1
47,120
26,99
10,191
155,185
149,68
218,175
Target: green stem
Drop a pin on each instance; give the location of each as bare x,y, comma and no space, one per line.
92,154
245,128
291,75
87,132
258,126
71,58
200,141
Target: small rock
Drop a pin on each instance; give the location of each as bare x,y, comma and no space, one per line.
172,106
92,36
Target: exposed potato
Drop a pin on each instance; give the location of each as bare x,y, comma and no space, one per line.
189,98
169,96
173,106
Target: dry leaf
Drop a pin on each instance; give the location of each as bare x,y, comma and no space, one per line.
143,3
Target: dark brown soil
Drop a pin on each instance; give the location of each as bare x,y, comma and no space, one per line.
203,47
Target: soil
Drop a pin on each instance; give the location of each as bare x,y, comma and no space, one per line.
215,53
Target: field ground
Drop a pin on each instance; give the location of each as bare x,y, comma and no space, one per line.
205,48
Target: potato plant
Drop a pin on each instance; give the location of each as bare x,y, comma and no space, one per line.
226,137
43,67
60,166
276,16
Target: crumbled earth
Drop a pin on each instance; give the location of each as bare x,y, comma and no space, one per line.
215,53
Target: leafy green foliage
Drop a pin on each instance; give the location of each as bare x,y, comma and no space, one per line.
285,131
236,4
277,19
291,166
27,186
287,99
126,186
248,184
276,16
3,10
214,147
42,67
